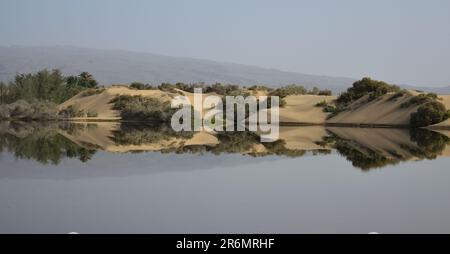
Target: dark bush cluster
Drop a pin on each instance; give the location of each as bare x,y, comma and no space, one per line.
428,114
397,95
142,86
45,86
140,108
420,99
71,111
92,91
22,110
283,92
366,86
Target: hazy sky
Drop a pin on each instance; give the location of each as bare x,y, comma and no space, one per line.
401,41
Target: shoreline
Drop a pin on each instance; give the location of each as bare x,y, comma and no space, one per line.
281,124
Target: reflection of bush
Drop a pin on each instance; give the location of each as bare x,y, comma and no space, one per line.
366,160
133,134
44,145
241,143
361,157
430,144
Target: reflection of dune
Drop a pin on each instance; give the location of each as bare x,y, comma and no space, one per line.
390,143
366,148
395,144
101,135
98,134
446,151
302,138
374,148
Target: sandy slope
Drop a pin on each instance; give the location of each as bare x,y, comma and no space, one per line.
382,111
299,109
99,103
302,109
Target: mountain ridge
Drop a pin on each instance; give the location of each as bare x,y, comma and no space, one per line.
123,66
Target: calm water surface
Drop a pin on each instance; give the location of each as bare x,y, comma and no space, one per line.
57,180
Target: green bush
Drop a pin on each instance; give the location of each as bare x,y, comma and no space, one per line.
364,87
91,113
142,86
325,93
71,111
428,114
91,91
140,108
283,92
322,104
419,99
397,95
22,110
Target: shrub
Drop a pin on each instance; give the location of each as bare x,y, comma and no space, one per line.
326,93
167,87
91,113
322,104
428,114
139,108
71,111
397,95
221,89
364,87
289,90
260,88
91,91
419,99
22,110
4,112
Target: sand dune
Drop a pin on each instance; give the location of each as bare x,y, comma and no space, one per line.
302,109
100,103
381,111
299,109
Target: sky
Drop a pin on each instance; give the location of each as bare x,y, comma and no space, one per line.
401,41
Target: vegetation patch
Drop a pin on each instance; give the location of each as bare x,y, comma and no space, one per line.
140,108
71,111
420,99
397,95
428,114
92,91
23,110
283,92
45,85
363,87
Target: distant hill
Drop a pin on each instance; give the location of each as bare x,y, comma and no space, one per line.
116,66
438,90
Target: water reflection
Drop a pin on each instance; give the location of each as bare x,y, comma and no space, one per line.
49,143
